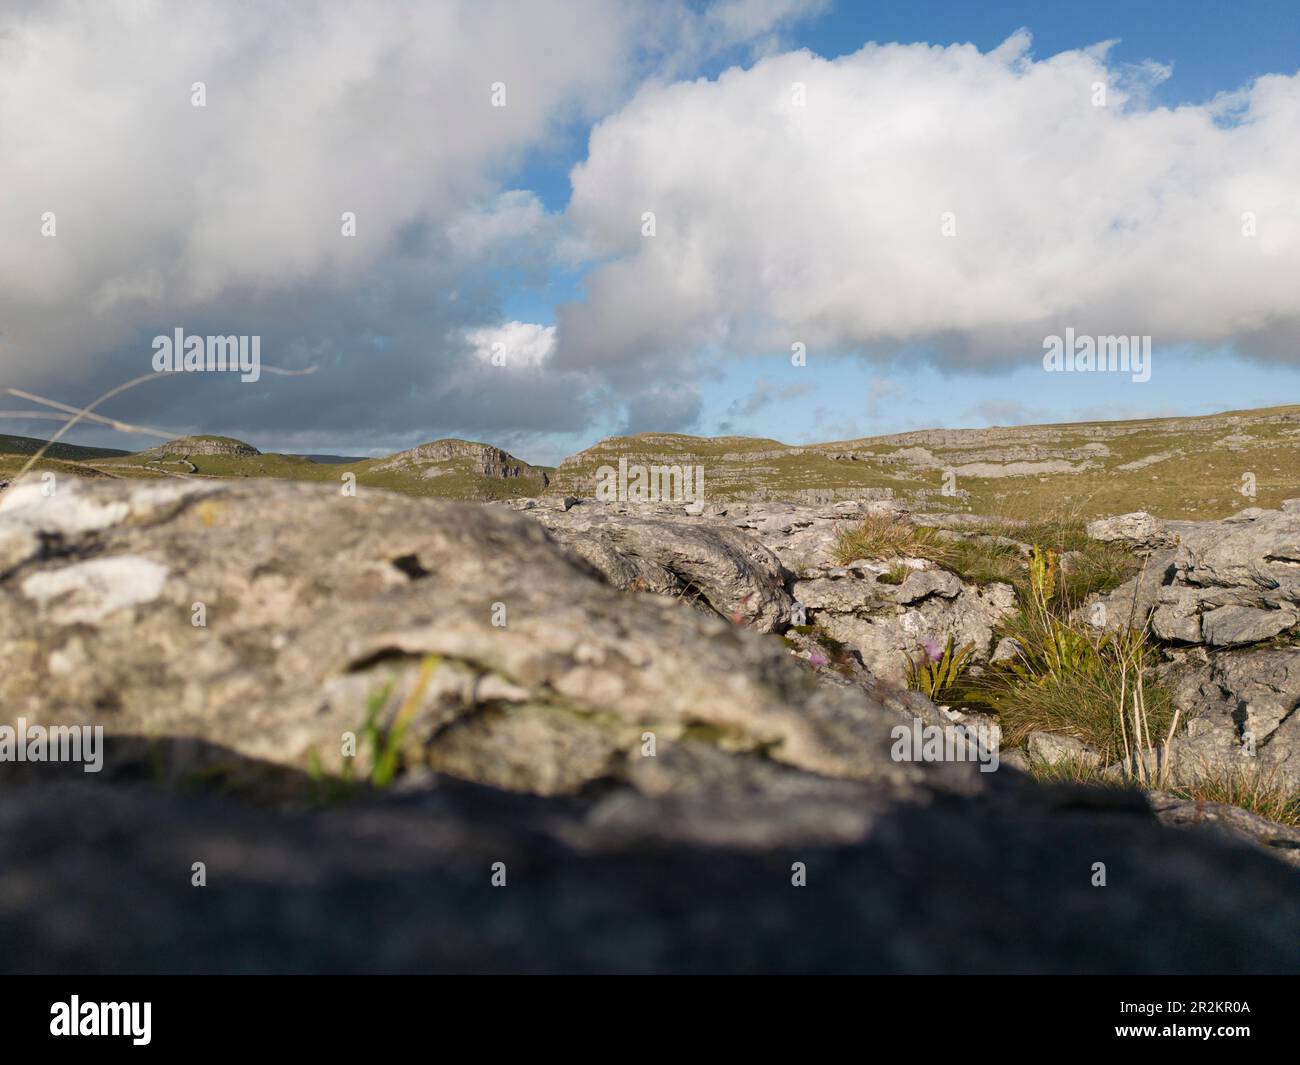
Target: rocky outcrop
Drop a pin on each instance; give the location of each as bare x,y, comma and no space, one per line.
887,623
1136,530
482,460
1052,749
1219,583
99,586
1233,821
1212,592
710,564
202,445
1240,707
771,565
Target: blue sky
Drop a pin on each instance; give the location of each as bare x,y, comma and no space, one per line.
1212,46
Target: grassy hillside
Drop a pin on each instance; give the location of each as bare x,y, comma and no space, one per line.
455,469
28,445
1173,467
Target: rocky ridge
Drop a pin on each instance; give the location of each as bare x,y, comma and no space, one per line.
1185,467
201,445
481,459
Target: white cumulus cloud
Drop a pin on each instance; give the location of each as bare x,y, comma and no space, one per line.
825,223
513,344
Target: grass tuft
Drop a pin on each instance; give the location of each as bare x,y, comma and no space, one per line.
1247,786
1071,680
994,554
883,537
1072,769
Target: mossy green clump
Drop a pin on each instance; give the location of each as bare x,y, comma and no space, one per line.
896,575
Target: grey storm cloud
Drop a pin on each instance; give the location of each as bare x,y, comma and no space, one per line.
228,218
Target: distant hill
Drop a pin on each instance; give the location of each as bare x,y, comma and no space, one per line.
29,445
452,469
202,445
1196,467
1200,467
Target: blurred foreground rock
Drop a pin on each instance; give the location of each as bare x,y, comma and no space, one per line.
98,880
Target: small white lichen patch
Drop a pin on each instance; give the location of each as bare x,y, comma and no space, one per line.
65,511
90,591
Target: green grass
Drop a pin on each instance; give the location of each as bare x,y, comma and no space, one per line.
29,445
985,557
1245,786
383,738
938,674
1082,702
459,479
884,537
981,560
11,466
1097,567
1200,480
1073,770
896,574
1249,787
1068,678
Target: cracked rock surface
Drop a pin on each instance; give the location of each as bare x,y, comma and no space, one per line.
650,770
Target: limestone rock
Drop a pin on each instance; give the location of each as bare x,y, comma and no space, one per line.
1228,626
1050,748
1234,701
707,564
1227,583
202,445
618,753
298,640
1138,529
442,456
887,623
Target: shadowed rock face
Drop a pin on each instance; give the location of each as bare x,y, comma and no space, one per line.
649,774
98,880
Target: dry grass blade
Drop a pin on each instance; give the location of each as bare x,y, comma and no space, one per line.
86,412
113,423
